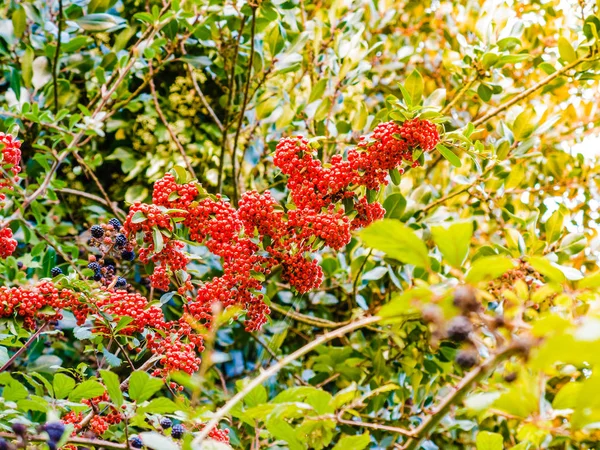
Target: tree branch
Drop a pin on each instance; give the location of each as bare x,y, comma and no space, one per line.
166,123
243,110
264,376
32,338
57,55
70,440
526,93
470,379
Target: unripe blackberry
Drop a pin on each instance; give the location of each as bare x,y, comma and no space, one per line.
510,377
128,255
97,275
136,442
120,240
121,282
56,271
55,430
166,423
459,329
177,431
465,299
94,266
116,223
466,358
97,231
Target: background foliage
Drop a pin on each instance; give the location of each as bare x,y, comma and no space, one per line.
107,96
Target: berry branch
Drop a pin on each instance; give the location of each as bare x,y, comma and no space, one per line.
473,377
29,341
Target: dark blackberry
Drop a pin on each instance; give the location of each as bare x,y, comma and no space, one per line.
110,267
19,264
55,430
136,442
97,231
97,275
121,282
120,240
56,271
128,255
465,299
94,266
166,423
177,431
116,223
459,329
510,377
466,358
3,444
19,429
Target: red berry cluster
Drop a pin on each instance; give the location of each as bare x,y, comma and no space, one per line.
30,302
260,234
7,244
9,162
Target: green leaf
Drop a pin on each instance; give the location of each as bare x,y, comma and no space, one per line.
160,405
566,398
545,267
566,50
317,91
489,441
414,87
489,268
359,442
158,240
280,429
394,206
19,21
157,441
524,124
555,224
449,155
98,6
100,22
111,381
88,389
27,66
142,386
397,240
453,241
485,92
62,385
395,176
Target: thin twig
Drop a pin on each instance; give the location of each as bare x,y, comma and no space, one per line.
93,197
228,108
264,376
314,321
243,110
527,92
70,440
458,96
166,123
211,112
470,379
57,55
32,338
